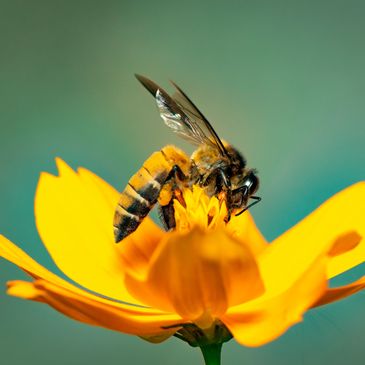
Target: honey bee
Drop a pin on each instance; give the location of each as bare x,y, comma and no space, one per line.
215,166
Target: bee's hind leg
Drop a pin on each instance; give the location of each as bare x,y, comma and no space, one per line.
176,174
176,179
170,192
167,215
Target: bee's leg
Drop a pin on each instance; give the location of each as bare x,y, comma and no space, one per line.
223,191
176,174
222,188
170,192
222,185
166,205
167,215
221,182
243,191
175,177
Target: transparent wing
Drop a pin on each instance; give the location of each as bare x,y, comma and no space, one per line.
197,118
181,115
176,118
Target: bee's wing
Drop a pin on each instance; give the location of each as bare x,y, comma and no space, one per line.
180,114
197,118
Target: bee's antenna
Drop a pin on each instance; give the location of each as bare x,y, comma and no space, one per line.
257,200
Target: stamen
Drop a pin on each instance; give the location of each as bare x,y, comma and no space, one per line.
194,207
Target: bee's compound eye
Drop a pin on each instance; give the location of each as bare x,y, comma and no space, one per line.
252,183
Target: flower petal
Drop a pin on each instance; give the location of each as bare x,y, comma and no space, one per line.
341,216
74,216
349,252
78,303
334,294
330,237
243,227
198,273
15,255
93,312
266,318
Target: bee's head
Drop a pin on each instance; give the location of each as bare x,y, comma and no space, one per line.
246,188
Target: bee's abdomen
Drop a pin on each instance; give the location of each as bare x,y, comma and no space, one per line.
140,195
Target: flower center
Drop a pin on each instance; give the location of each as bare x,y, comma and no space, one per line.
197,209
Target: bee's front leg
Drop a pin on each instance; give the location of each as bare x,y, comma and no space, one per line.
219,179
222,181
222,188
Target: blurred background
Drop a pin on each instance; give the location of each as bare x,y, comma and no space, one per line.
281,80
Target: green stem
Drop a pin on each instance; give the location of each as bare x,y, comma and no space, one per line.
212,353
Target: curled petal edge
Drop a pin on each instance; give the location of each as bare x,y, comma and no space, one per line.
335,294
94,312
78,303
260,321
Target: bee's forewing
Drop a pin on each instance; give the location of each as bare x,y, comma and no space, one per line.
180,114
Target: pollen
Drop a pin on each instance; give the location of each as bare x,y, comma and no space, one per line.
198,209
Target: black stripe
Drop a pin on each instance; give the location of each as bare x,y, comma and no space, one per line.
160,178
137,208
126,226
149,192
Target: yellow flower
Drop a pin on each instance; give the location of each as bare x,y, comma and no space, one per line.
205,274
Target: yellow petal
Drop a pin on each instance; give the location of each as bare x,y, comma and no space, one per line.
243,227
328,239
74,216
351,253
341,216
198,275
266,318
137,248
94,311
332,295
15,255
78,303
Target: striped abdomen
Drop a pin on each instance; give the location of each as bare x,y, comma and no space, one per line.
144,188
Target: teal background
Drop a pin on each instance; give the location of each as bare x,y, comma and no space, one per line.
281,80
